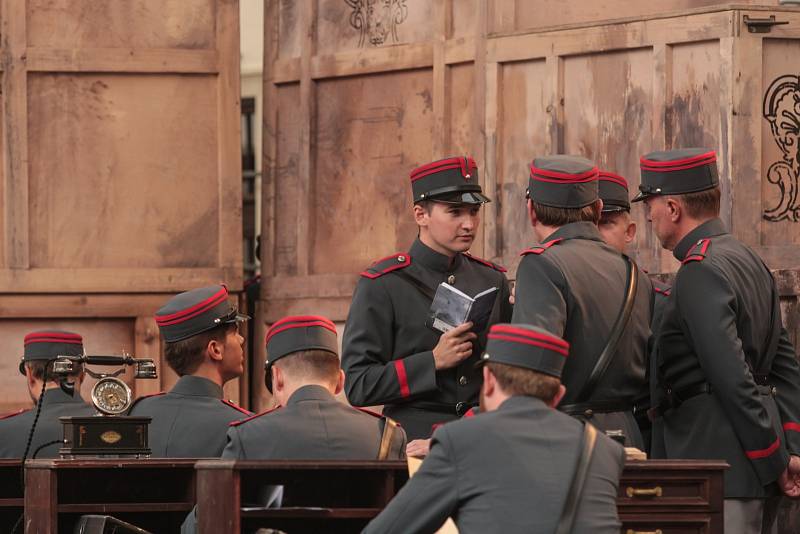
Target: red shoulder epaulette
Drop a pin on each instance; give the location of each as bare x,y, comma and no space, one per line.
538,249
369,412
235,407
388,264
237,423
486,263
12,414
698,252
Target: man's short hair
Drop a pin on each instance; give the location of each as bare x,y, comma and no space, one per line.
313,365
703,204
550,216
515,380
186,355
37,370
607,216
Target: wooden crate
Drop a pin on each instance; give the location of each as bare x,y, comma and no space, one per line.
121,179
346,120
120,145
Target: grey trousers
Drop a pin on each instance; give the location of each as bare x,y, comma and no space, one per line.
751,516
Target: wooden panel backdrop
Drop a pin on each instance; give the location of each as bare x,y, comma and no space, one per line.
356,99
121,169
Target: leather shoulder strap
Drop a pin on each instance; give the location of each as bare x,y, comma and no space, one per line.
570,509
426,291
389,429
604,360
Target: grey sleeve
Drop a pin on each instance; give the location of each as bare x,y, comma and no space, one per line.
540,299
234,450
373,374
427,499
597,510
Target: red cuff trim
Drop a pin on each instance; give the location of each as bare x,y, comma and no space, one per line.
791,426
400,367
763,453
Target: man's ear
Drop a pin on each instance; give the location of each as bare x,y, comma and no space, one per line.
214,350
339,383
531,213
489,382
277,379
630,232
562,390
420,215
674,209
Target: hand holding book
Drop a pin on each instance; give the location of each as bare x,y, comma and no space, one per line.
454,347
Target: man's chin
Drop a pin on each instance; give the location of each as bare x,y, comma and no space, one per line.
462,245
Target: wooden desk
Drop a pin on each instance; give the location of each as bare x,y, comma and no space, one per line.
330,496
11,495
153,494
672,496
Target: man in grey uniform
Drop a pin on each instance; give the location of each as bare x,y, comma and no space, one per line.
573,284
727,382
304,375
204,347
40,348
511,468
619,231
389,355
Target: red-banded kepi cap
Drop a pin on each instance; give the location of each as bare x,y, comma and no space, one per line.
563,181
526,346
452,180
49,344
194,312
614,192
677,172
297,333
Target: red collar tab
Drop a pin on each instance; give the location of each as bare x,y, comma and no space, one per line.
698,253
237,407
665,291
12,414
486,263
465,164
53,337
538,249
606,176
388,264
242,421
679,164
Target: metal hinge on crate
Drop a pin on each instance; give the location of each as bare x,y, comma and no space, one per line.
762,25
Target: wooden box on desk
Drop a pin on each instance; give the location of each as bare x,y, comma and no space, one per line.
672,496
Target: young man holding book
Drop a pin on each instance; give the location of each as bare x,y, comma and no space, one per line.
390,355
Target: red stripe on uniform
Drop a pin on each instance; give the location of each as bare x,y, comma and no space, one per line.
400,367
193,311
615,178
685,163
53,337
274,331
515,339
791,426
542,175
528,333
763,453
